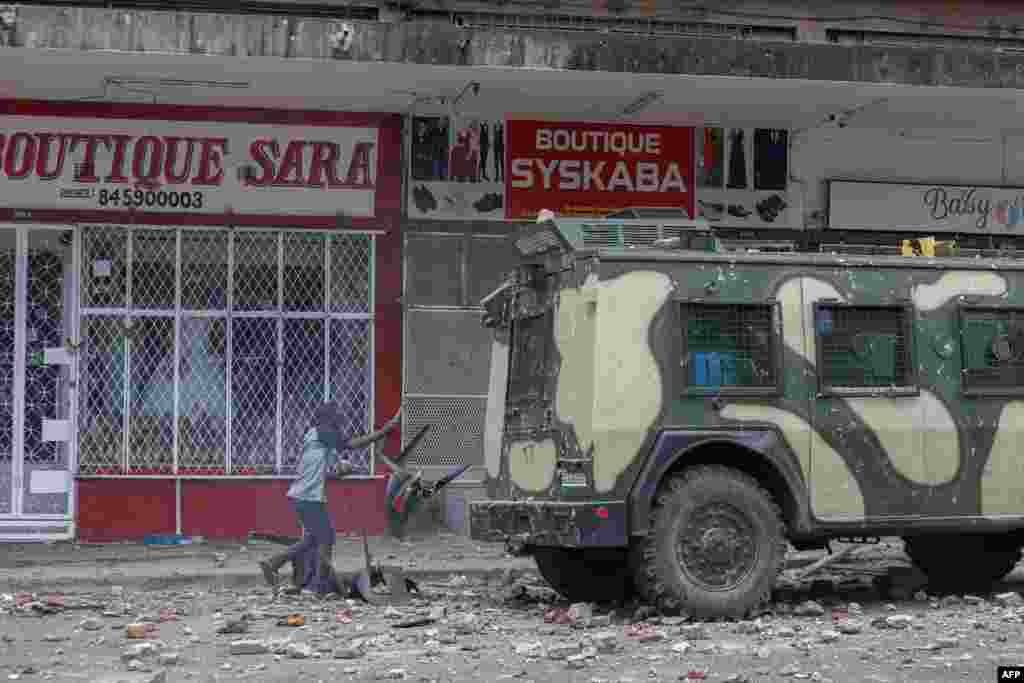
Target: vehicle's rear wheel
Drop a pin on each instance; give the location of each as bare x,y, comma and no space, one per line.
984,559
592,575
638,569
716,545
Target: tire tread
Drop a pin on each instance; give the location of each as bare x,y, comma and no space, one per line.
662,595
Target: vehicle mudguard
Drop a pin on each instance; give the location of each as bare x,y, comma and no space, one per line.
765,445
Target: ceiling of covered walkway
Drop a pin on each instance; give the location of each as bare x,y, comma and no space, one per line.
425,89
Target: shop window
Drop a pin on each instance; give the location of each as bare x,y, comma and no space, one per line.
208,388
992,348
865,349
204,270
730,348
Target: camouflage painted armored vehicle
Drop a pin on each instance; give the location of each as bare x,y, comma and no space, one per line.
674,416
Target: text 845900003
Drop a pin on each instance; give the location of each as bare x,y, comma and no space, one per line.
125,198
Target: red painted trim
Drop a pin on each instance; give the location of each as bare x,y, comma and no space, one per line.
230,509
112,510
388,195
388,323
118,510
164,112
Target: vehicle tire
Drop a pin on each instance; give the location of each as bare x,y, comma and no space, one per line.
991,558
593,575
716,546
638,569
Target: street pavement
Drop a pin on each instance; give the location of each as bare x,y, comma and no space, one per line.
145,615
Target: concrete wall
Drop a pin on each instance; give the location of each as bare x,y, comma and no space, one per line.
939,157
445,43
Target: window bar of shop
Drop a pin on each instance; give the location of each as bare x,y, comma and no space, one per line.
280,352
75,332
229,355
21,360
126,419
328,242
371,289
176,426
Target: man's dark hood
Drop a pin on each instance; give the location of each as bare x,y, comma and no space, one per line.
326,417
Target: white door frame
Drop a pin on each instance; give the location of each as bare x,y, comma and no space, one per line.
18,526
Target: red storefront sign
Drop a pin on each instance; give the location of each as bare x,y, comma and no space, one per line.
592,169
71,162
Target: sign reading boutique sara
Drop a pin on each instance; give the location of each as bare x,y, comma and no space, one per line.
175,166
925,208
594,169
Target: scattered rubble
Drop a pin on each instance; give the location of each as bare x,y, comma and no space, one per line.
514,627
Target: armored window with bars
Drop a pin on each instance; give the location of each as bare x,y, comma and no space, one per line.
865,348
992,349
531,349
730,347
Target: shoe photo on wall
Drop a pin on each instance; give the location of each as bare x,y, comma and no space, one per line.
712,212
424,199
739,211
770,208
491,201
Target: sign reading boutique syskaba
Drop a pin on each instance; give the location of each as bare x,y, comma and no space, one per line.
187,167
855,205
593,169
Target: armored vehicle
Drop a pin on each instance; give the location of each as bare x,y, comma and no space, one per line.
676,414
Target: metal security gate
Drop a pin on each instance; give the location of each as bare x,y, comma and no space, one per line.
447,350
37,382
205,351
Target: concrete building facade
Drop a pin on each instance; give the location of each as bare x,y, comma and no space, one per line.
213,216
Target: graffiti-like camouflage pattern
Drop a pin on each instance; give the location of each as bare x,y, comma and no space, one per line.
610,394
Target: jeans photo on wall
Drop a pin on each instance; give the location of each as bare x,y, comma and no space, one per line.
742,177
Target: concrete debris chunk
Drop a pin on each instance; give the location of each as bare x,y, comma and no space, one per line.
349,652
299,651
1010,599
809,609
605,641
91,624
169,659
148,677
693,632
580,612
249,647
532,649
849,628
563,650
466,623
139,651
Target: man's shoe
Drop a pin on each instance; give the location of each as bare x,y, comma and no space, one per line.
269,572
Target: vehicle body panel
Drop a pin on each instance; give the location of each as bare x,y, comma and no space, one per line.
617,411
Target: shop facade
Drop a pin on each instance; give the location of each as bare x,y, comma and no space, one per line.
764,186
180,287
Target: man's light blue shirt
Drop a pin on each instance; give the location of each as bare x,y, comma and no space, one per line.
319,455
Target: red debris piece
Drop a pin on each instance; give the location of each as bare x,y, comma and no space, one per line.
639,630
54,601
557,615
